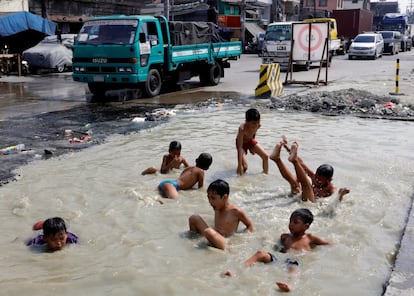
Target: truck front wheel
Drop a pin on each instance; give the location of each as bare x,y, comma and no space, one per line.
97,89
153,83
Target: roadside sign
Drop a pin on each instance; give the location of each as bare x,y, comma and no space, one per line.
310,40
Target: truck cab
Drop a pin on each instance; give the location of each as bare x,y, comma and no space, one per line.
277,43
398,22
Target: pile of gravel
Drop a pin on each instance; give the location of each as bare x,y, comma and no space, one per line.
343,102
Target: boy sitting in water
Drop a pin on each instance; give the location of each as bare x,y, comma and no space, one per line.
320,183
246,141
188,178
172,160
54,234
226,216
295,241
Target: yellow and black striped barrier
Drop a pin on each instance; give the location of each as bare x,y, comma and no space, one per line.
269,83
397,77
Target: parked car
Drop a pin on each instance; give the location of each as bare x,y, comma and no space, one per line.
52,53
370,45
392,41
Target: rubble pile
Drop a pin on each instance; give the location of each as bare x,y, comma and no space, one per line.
346,102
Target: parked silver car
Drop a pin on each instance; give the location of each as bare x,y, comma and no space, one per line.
51,53
392,41
370,45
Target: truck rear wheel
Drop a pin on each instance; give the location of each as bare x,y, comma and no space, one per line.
211,74
153,83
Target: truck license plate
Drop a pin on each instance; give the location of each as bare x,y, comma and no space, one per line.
281,47
98,78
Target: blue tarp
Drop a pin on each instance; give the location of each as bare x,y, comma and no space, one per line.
22,21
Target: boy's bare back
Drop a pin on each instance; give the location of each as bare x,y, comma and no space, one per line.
190,176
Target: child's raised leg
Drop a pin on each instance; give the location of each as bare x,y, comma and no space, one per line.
286,174
307,191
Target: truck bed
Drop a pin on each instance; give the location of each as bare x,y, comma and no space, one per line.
205,51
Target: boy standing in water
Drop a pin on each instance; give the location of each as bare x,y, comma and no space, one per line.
188,178
226,216
54,234
172,160
295,241
246,141
320,183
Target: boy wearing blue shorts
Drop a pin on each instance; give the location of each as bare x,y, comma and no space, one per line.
188,178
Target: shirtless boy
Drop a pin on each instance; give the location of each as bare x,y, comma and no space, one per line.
172,160
55,236
320,183
246,141
188,178
226,216
295,241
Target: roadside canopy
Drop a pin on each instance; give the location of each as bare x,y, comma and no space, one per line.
14,23
22,30
254,29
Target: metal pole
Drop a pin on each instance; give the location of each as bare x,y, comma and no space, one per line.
396,75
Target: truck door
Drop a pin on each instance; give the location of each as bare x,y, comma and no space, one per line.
154,41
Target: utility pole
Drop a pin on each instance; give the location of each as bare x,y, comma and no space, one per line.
242,23
43,5
167,9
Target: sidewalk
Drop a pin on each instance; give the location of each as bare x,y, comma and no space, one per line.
402,277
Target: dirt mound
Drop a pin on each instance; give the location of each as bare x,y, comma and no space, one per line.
344,102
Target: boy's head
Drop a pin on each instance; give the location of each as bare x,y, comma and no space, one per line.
204,161
54,233
303,214
325,170
300,220
252,115
219,187
323,175
218,193
174,146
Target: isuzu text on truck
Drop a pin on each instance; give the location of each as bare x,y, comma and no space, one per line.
118,52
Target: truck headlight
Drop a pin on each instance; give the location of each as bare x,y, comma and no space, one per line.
79,69
125,69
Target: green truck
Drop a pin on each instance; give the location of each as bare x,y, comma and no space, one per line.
146,52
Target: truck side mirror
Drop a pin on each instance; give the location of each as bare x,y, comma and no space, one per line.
142,38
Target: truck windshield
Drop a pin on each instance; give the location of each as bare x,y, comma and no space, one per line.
363,39
108,32
394,27
278,33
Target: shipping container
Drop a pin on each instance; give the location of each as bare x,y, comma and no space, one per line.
352,22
